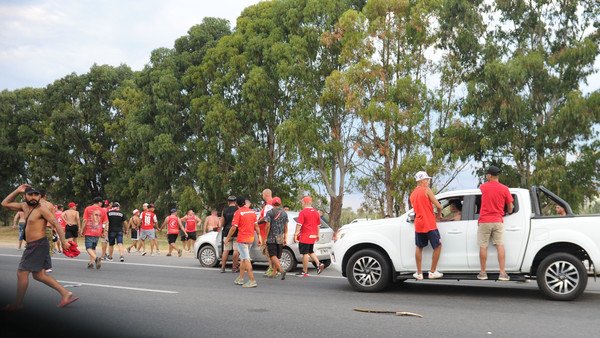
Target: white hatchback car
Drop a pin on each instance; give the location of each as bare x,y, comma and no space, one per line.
209,247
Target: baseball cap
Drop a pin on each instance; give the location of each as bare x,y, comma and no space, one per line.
150,206
421,175
240,201
145,205
116,204
173,210
72,204
231,198
306,199
276,201
136,211
97,199
493,170
31,190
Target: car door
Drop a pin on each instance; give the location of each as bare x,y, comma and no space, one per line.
515,240
454,243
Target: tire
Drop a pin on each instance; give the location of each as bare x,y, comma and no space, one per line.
561,276
208,256
368,271
288,261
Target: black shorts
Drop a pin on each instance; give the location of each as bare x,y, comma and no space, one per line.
182,235
432,237
71,231
306,248
191,235
274,249
134,235
172,238
36,256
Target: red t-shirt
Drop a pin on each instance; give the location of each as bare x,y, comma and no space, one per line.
310,220
244,219
190,224
494,197
424,216
172,225
148,220
263,226
94,217
60,220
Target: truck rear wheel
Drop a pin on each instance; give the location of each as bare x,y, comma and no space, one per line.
368,271
562,276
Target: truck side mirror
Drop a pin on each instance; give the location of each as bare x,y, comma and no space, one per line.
411,217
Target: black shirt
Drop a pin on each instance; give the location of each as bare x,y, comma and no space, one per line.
115,221
228,213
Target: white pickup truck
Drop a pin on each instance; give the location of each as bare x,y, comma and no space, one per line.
552,249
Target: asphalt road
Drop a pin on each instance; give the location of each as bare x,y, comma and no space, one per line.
172,296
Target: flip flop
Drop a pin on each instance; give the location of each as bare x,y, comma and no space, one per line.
64,303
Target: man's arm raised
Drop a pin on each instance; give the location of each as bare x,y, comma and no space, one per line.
9,201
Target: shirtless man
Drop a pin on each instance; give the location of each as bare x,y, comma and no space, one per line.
212,222
36,257
20,217
71,217
134,226
267,196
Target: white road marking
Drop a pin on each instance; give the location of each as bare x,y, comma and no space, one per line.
116,287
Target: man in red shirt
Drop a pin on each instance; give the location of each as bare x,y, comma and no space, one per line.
191,222
495,197
307,233
244,221
174,225
94,223
148,222
426,230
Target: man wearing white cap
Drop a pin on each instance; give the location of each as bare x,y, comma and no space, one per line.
426,230
134,227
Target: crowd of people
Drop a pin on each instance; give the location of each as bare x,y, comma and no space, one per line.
48,229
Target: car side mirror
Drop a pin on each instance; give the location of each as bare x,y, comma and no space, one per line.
411,217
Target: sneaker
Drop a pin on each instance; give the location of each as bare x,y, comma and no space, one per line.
110,259
250,284
482,276
144,253
48,270
268,272
235,270
504,277
302,274
98,262
222,270
283,275
321,268
418,276
122,259
238,281
168,255
179,252
435,275
157,253
19,249
299,274
90,265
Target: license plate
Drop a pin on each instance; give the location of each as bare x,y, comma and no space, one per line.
324,251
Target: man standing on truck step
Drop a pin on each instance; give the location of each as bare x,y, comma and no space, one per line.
495,197
425,224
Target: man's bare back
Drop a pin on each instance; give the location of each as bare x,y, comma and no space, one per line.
212,222
71,217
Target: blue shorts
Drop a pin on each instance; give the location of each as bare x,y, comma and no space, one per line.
244,250
21,231
432,237
91,242
115,237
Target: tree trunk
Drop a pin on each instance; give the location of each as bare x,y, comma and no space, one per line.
335,212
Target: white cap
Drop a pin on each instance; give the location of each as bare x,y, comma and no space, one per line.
145,204
421,175
136,211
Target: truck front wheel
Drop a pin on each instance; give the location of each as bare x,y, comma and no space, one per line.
561,276
368,271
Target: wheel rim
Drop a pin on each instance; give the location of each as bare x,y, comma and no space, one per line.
562,277
207,256
367,271
286,260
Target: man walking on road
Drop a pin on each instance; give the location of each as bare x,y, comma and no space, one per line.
116,226
307,233
191,226
134,227
94,223
71,217
226,219
36,256
174,225
244,220
495,197
148,232
267,196
276,229
20,218
426,229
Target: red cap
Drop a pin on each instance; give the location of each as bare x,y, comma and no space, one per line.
72,251
306,199
72,204
276,201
